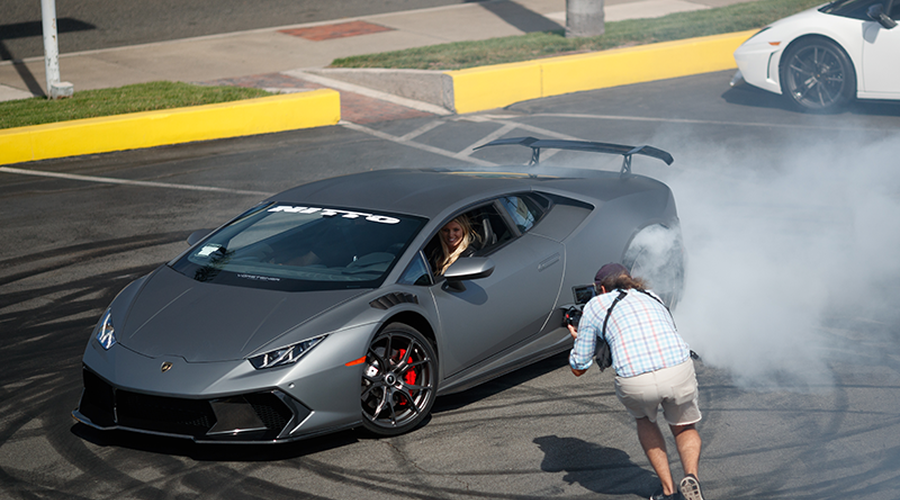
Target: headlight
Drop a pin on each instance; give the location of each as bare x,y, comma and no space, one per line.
106,332
285,355
758,33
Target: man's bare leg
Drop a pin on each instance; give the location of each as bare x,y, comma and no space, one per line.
654,446
687,439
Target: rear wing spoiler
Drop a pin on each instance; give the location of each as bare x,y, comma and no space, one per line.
596,147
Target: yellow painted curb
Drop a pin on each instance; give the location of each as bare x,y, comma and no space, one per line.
490,87
155,128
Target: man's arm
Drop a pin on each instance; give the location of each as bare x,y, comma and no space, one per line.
574,333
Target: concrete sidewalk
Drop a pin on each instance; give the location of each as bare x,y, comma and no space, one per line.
311,46
291,60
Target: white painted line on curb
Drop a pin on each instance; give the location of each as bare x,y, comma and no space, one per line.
375,94
283,90
111,180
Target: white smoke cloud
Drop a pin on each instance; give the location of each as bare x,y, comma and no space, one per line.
780,247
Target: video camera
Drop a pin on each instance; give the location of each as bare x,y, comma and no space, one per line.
582,293
572,316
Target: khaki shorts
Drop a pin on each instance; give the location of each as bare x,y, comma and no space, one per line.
674,388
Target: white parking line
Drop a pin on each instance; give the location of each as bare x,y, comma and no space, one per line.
505,126
421,130
500,132
502,119
412,144
111,180
701,122
544,131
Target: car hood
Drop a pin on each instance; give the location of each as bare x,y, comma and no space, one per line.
173,315
805,18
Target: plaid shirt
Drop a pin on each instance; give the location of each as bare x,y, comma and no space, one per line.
641,335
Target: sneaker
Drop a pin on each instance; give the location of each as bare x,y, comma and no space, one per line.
690,488
659,495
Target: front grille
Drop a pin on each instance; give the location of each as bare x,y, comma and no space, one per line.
97,401
270,410
162,414
108,407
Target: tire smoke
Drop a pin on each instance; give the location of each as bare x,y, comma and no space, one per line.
785,259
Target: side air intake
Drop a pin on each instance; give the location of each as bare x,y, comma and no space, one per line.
392,299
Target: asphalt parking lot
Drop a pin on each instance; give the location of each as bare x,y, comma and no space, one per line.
790,224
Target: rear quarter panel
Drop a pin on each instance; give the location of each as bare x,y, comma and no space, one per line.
606,233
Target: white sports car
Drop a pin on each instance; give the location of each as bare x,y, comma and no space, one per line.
824,57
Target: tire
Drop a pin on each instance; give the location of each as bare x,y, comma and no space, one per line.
399,381
817,75
656,255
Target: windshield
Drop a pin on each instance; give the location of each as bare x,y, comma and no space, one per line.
300,248
854,9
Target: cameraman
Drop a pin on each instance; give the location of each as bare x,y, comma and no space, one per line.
653,367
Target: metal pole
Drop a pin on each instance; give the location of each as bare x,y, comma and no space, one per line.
584,18
55,88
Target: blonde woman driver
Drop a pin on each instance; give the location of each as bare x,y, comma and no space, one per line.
456,238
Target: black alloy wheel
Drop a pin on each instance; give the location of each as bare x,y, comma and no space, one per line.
816,75
399,382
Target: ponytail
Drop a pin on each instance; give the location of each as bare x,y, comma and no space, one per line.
623,281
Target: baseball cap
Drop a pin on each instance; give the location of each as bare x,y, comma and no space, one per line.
611,269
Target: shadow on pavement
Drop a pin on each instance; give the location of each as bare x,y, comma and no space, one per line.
597,468
522,18
458,400
748,95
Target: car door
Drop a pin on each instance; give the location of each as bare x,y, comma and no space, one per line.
495,313
881,73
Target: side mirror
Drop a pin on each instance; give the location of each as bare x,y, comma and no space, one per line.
197,236
468,268
876,13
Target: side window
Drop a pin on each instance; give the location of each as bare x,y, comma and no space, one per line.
417,273
494,223
523,211
491,228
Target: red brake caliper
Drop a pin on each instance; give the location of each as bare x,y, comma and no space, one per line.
409,376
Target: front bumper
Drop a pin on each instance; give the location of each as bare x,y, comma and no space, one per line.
758,62
227,401
267,416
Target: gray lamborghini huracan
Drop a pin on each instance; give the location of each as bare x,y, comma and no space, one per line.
318,309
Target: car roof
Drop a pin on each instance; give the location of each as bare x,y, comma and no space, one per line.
428,192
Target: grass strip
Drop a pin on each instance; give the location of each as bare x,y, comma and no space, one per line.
678,26
128,99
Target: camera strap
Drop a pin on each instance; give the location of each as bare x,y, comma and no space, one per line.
622,294
602,352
